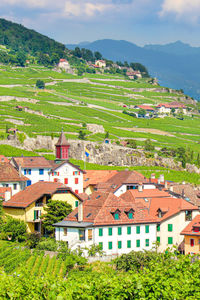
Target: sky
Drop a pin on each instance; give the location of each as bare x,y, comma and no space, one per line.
139,21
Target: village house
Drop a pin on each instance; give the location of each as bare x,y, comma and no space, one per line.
133,74
11,178
100,63
116,225
28,205
64,64
167,108
172,214
191,235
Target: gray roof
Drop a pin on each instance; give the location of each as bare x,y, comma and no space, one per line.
73,224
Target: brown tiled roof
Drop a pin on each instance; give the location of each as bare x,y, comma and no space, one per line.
122,177
186,191
92,177
62,141
55,165
3,158
188,230
9,174
100,207
147,193
31,162
32,193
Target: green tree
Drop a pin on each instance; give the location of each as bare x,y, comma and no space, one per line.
81,135
1,211
97,55
55,211
142,112
20,59
40,84
148,146
107,135
13,228
77,52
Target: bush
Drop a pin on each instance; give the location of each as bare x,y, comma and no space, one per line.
33,240
40,84
47,244
13,229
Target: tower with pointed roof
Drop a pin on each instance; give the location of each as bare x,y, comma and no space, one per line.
62,147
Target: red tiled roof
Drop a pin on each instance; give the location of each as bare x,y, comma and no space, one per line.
92,177
4,159
146,107
147,193
62,141
100,207
31,162
188,230
172,105
32,193
9,174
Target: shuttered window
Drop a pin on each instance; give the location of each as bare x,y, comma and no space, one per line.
119,244
147,228
100,231
119,230
138,229
129,230
170,227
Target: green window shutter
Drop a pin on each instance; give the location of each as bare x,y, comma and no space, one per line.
147,242
158,227
137,229
100,231
76,203
158,239
128,230
147,228
119,230
101,245
170,240
130,215
110,231
170,227
109,245
35,215
119,244
137,243
116,216
128,244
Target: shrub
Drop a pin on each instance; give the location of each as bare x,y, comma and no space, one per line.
47,244
40,84
13,229
33,240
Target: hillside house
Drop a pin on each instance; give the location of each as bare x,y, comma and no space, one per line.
11,178
167,108
64,64
133,74
100,63
28,205
191,235
172,214
116,225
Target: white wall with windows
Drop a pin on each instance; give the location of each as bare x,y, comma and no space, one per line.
15,186
125,187
36,174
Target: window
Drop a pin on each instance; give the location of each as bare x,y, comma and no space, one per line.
76,191
76,180
109,231
75,172
65,231
192,242
101,245
89,234
81,235
100,231
158,227
129,230
119,244
28,182
119,230
137,243
170,240
188,215
158,239
24,171
109,245
147,242
130,215
170,227
116,216
129,244
76,203
66,181
37,214
29,171
41,171
14,186
138,229
147,229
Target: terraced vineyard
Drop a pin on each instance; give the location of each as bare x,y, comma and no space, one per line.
68,101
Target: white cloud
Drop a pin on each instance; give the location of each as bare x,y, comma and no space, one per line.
189,9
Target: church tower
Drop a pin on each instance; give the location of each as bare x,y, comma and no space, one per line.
62,147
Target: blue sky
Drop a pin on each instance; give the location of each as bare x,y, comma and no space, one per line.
139,21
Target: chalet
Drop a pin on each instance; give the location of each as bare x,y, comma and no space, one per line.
28,205
11,178
172,214
116,225
191,235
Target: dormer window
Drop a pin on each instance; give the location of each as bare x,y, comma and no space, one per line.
130,213
188,215
162,211
116,214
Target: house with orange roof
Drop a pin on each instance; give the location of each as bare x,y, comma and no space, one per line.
191,235
166,108
100,63
172,214
117,225
28,205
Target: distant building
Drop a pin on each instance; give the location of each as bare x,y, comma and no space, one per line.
191,235
164,108
64,64
100,63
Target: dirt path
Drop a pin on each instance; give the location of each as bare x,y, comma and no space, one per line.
147,130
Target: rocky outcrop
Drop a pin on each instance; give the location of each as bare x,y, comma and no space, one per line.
94,128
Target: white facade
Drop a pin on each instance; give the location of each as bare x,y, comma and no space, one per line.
64,65
167,110
36,174
113,239
69,175
125,187
175,223
15,186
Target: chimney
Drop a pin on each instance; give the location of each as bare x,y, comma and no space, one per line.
7,195
80,212
153,176
20,170
162,178
140,187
